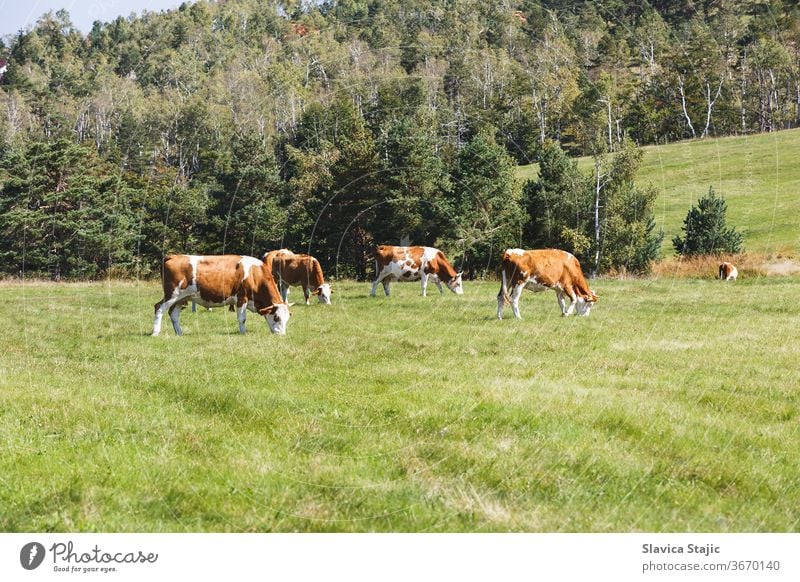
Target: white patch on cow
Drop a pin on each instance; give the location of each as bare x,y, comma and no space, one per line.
325,294
194,261
533,285
277,321
248,263
584,307
428,254
518,252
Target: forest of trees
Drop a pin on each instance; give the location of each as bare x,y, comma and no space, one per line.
245,125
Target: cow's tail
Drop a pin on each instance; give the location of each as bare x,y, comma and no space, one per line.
504,286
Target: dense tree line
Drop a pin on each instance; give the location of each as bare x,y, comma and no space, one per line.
243,125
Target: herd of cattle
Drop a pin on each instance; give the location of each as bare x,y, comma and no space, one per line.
262,286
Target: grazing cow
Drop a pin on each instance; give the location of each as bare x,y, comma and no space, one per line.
727,272
289,268
216,280
412,263
541,270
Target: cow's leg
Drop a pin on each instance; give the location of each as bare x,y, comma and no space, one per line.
306,294
162,306
241,314
386,283
561,296
439,285
515,294
159,313
502,295
175,316
423,277
573,301
380,278
285,292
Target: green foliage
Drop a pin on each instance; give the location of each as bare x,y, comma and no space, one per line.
333,126
560,208
484,202
558,204
64,212
705,231
628,238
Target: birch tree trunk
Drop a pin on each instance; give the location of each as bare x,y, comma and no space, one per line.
683,105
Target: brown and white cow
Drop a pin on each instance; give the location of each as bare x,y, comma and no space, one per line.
289,269
727,272
541,270
216,280
411,264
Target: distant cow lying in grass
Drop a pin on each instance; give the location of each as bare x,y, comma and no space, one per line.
727,272
412,264
289,269
541,270
216,280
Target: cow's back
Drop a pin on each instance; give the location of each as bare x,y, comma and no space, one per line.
549,267
216,277
295,269
545,266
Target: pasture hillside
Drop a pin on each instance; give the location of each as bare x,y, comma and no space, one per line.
673,407
757,175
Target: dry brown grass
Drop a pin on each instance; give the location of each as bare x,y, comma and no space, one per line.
747,264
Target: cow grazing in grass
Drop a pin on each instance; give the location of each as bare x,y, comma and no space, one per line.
216,280
727,272
411,264
540,270
290,269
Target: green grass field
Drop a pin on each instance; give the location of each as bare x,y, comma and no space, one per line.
673,407
758,175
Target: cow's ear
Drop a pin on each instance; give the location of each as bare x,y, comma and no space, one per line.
317,291
459,273
268,310
290,305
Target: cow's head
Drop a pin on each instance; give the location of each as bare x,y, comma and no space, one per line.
585,303
323,293
277,316
455,286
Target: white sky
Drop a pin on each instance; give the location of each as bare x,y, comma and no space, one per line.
20,14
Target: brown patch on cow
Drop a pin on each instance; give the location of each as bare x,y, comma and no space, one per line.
219,277
294,269
411,258
550,268
725,270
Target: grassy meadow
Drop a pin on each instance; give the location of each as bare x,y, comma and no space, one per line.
673,407
758,175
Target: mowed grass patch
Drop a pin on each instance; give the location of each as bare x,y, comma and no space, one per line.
673,407
756,174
